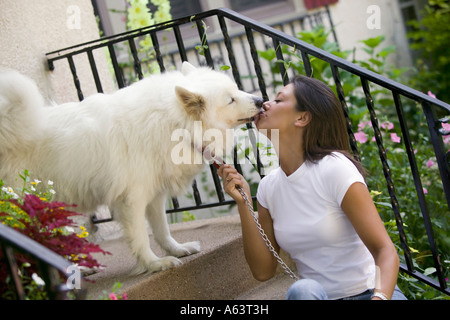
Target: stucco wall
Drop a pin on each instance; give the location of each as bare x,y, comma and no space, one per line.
31,28
350,19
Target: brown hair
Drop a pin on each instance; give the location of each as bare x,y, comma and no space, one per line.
327,131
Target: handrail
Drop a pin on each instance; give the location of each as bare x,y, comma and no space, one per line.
51,264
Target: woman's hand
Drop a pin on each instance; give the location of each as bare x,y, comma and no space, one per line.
231,178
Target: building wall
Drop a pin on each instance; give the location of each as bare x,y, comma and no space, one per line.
350,18
29,29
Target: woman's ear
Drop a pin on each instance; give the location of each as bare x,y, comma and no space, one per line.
303,119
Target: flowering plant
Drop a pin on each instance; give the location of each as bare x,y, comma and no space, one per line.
32,212
136,15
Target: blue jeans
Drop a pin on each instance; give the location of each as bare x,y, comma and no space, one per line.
307,289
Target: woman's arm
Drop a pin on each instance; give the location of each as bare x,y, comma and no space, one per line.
260,260
361,211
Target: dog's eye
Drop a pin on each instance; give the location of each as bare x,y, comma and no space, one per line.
232,101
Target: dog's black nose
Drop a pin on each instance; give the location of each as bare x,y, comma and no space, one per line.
258,102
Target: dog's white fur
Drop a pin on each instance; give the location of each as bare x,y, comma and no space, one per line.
115,149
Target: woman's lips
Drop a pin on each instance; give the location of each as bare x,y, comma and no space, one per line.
258,116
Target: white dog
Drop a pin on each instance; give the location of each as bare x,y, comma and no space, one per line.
115,149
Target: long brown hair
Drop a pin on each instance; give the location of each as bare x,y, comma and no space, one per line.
327,131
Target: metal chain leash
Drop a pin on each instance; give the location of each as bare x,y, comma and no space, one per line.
286,269
217,162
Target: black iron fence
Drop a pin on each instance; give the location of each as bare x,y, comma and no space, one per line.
54,269
255,36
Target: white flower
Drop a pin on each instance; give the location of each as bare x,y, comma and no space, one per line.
10,191
50,182
38,280
70,229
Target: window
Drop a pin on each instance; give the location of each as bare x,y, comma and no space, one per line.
242,5
312,4
181,8
410,11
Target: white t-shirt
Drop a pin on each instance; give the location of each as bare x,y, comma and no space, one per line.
310,225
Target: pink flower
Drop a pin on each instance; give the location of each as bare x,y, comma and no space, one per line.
124,296
425,190
430,163
395,138
113,296
364,124
361,137
387,125
446,127
431,94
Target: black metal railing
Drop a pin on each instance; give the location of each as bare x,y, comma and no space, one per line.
53,269
254,32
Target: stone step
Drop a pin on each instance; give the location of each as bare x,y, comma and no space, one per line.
218,271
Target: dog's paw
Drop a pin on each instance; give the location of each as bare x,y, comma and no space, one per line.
185,249
163,264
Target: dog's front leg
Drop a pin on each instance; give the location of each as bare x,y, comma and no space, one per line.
131,213
157,218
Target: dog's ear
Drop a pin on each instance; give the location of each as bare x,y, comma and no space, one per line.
192,102
187,68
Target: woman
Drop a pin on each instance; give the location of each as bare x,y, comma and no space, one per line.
316,205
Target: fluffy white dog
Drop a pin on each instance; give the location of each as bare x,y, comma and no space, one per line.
115,149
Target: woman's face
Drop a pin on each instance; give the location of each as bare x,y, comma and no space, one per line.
279,113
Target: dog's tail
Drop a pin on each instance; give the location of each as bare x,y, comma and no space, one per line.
21,109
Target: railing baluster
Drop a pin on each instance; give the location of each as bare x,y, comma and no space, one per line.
204,43
436,140
236,163
280,58
217,183
116,67
412,162
231,57
136,61
176,204
257,65
13,269
76,80
341,97
159,57
247,63
94,70
180,43
197,198
306,64
387,173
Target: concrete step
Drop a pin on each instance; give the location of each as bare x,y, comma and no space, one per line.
219,271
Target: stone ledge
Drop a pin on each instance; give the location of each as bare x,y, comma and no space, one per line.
218,271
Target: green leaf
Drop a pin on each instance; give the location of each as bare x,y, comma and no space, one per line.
373,42
429,271
387,51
